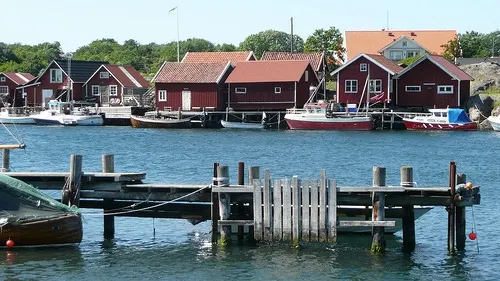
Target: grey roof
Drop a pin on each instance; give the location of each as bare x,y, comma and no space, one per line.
80,70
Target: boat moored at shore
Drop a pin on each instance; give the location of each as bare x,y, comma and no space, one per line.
447,119
63,113
152,121
494,122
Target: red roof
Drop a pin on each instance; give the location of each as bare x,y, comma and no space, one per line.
394,67
189,72
19,78
314,57
455,70
233,57
128,76
268,71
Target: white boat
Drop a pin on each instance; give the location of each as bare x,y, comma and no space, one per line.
63,113
316,116
10,115
245,125
495,122
441,119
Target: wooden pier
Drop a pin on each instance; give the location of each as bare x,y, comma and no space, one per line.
263,209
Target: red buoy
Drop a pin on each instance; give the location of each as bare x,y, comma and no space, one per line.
10,243
472,236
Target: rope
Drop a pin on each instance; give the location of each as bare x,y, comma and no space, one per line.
10,132
480,112
151,207
474,228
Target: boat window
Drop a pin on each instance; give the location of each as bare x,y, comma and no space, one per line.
445,114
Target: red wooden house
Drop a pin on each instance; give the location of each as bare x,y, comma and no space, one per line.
53,82
191,86
270,85
432,81
366,73
12,91
116,85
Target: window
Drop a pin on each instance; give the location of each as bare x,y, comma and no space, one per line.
307,76
412,89
351,86
95,90
56,75
113,90
396,55
404,43
363,67
445,89
277,90
240,90
4,90
104,75
2,79
162,95
375,86
411,54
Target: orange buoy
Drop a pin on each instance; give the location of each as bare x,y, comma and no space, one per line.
10,243
472,236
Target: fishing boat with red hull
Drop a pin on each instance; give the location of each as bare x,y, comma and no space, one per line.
317,116
29,217
447,119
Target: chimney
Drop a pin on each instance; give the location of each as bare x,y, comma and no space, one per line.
390,34
413,34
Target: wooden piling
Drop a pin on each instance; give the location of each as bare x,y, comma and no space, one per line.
378,211
332,211
460,223
277,211
314,221
215,208
108,166
266,200
287,210
451,209
241,206
306,211
408,211
322,207
254,174
75,179
6,160
224,204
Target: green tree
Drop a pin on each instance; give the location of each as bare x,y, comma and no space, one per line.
329,41
271,40
451,50
473,45
225,48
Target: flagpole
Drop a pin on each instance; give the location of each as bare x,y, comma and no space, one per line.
177,10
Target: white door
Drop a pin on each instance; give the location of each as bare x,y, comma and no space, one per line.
186,100
46,96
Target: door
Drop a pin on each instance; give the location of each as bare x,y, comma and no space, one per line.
186,100
104,92
46,96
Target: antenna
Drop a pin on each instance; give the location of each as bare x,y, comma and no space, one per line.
387,25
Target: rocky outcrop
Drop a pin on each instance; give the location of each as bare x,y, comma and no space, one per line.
481,103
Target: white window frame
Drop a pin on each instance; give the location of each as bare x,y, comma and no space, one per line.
2,79
445,89
413,89
98,90
240,90
162,95
404,43
414,53
57,72
393,57
111,90
104,75
351,86
4,87
377,82
277,90
363,67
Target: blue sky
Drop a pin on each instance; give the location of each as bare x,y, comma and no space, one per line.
75,23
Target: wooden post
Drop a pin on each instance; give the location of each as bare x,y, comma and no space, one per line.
241,206
322,207
296,211
254,174
314,211
75,179
451,209
378,211
255,231
215,208
287,210
224,204
332,211
6,160
266,199
460,218
108,166
277,210
306,214
408,211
